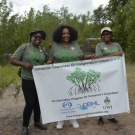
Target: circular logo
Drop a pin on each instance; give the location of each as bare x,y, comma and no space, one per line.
67,104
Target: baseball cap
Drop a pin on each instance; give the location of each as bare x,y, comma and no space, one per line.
106,29
38,31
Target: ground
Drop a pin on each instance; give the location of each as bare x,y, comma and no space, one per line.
11,117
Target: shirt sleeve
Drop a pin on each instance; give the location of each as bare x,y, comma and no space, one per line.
80,54
120,49
51,55
98,50
18,54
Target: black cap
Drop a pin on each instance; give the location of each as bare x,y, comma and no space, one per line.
38,31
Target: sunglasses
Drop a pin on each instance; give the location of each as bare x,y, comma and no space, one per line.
107,34
36,37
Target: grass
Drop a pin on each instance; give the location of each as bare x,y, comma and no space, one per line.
130,69
8,75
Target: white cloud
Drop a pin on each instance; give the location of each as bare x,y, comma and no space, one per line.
74,6
96,3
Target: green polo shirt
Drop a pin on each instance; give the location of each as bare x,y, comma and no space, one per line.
29,54
103,49
59,53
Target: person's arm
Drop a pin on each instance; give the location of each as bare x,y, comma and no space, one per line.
16,58
20,63
100,55
87,57
51,57
110,55
116,54
119,53
84,57
50,45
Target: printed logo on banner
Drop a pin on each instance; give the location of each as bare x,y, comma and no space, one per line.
83,81
67,104
85,106
107,102
67,108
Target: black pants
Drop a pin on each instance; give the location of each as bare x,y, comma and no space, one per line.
31,100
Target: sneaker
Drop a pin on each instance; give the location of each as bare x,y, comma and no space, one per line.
25,131
40,126
74,123
100,121
60,124
113,120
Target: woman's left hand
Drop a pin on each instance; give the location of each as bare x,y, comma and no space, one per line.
117,54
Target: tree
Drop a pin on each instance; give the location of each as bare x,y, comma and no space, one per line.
99,16
5,11
130,30
113,7
84,81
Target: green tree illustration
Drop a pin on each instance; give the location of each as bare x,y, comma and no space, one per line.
84,81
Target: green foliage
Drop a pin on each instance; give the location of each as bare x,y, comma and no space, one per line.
8,75
17,90
100,15
77,76
118,14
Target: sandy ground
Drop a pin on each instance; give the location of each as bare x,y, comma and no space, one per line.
11,121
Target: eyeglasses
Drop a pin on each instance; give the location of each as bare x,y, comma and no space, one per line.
107,34
36,37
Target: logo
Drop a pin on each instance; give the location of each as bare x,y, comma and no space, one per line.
67,105
72,48
82,107
107,101
105,48
40,50
85,106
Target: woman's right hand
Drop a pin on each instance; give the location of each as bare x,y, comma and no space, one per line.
28,66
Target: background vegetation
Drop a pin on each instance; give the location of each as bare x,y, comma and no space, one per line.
14,29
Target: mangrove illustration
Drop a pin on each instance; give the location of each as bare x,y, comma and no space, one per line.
84,82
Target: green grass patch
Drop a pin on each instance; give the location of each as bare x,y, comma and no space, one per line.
8,75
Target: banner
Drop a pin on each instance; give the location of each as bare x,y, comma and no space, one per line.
80,89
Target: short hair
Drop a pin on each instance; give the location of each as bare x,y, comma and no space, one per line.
57,34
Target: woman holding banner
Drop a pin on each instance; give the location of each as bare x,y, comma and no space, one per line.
26,56
65,50
107,48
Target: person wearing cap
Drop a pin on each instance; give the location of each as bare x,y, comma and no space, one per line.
26,56
107,48
66,50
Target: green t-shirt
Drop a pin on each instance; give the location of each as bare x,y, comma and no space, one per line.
59,53
103,49
29,54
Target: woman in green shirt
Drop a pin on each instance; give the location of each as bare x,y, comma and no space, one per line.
26,56
107,48
66,50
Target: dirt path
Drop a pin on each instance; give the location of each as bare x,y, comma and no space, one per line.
11,121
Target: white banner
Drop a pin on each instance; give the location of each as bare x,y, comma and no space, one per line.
82,89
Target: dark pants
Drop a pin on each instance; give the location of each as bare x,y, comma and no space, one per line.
31,100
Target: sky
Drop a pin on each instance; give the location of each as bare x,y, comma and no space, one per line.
74,6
